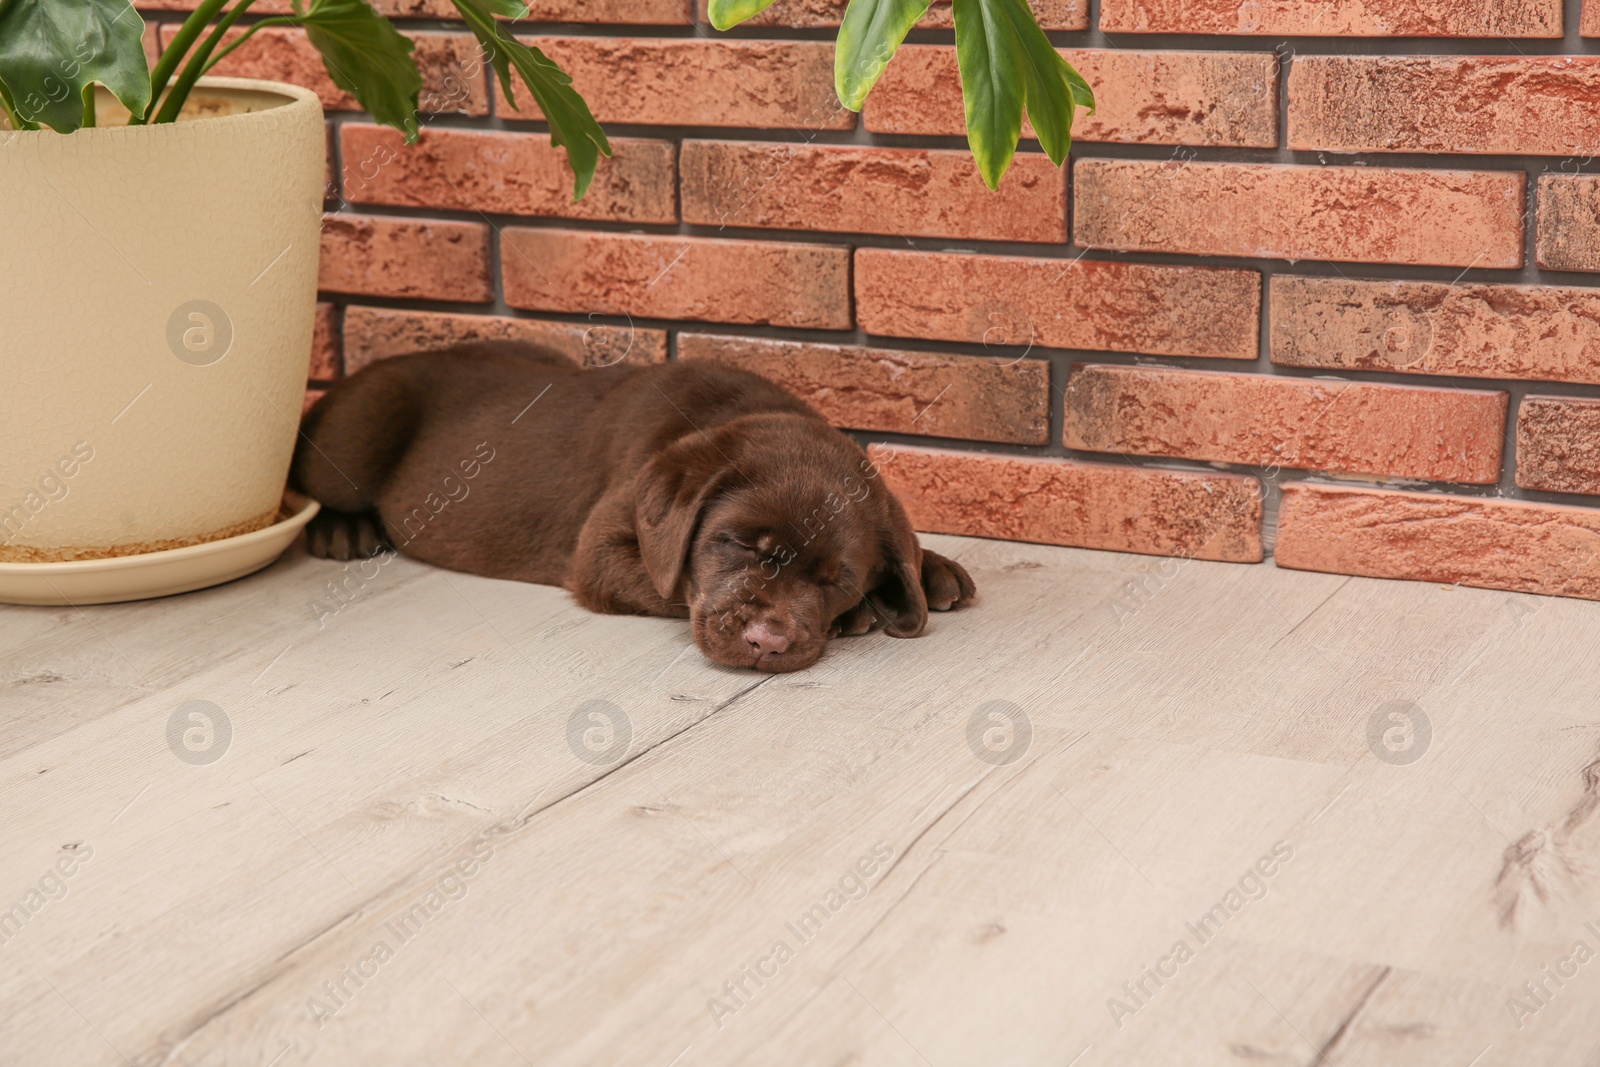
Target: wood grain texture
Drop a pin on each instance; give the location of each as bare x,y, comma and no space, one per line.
400,773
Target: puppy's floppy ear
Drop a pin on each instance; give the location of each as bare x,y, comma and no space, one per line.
670,493
898,597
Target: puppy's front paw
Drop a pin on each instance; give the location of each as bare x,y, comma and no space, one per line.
858,620
945,582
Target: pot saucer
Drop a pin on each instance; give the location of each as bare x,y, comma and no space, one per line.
153,574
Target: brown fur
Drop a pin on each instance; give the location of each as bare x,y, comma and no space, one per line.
687,490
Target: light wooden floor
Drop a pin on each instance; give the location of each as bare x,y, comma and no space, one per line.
403,775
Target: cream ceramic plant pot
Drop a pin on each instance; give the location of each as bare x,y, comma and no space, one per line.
157,294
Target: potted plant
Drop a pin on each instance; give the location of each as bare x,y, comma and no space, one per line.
160,259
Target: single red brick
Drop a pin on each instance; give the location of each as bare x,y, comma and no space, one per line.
1087,505
325,344
510,173
1051,14
1447,435
1441,217
371,334
897,191
424,259
1515,105
1469,331
892,391
1201,98
1568,230
1477,541
784,85
1590,26
1558,444
1007,302
617,12
636,12
452,72
433,9
1336,18
671,277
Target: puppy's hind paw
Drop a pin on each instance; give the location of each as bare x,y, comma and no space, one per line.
342,535
945,582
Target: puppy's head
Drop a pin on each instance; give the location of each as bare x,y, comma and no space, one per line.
777,533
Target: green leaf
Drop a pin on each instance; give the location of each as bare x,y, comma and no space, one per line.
368,58
571,125
992,62
726,14
511,9
1082,95
52,50
1048,90
869,36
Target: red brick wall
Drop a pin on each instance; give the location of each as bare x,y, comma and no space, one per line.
1317,284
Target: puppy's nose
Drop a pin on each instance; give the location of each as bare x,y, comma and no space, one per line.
763,641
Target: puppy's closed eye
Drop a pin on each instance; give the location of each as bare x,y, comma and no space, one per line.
759,542
834,579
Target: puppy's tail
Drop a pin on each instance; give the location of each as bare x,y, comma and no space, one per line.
354,436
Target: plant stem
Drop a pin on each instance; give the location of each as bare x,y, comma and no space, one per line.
16,121
280,20
192,27
88,106
197,65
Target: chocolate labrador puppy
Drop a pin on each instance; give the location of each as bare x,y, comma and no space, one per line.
687,490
